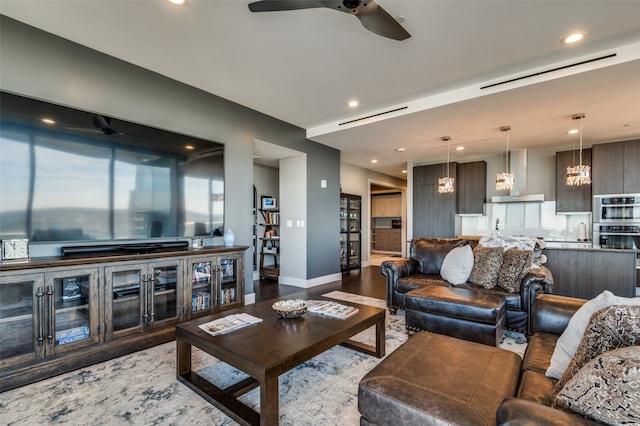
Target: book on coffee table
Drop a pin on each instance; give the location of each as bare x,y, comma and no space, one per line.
331,309
229,323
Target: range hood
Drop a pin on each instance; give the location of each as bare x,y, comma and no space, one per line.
519,194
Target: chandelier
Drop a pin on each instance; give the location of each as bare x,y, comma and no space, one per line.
505,180
580,174
445,184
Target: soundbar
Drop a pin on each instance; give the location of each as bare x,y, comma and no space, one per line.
122,248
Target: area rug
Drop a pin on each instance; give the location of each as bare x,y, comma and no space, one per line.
141,389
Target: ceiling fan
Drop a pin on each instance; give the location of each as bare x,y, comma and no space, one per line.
371,15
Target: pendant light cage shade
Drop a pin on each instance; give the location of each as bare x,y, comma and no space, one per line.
505,181
446,185
580,174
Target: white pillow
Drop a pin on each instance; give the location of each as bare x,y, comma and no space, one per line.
570,338
457,265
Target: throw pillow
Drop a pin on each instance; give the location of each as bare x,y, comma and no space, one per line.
607,389
516,264
486,266
457,265
610,328
570,338
508,241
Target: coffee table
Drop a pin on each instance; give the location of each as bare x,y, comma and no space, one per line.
266,350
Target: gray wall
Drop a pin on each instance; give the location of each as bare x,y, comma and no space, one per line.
37,64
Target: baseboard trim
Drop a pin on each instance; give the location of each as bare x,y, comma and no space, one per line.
297,282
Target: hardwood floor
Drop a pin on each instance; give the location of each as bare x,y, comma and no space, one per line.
369,282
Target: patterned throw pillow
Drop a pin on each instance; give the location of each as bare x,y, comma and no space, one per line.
610,328
486,266
606,389
516,264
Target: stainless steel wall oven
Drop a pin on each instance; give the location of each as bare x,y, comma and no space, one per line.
616,221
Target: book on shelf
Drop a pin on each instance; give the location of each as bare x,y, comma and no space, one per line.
331,309
229,323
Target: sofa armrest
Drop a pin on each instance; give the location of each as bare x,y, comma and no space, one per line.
394,269
552,313
520,412
539,280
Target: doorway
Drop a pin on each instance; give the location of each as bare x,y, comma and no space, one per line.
387,219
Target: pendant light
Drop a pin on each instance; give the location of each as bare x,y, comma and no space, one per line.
505,180
580,174
446,184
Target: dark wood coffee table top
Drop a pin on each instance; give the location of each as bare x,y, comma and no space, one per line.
266,350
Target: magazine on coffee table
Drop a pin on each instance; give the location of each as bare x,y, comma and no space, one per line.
229,323
331,309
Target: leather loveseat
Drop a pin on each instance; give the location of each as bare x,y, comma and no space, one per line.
407,276
444,383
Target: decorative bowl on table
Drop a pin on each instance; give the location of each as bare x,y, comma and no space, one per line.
290,308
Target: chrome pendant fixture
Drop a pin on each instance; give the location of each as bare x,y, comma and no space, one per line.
446,184
580,174
505,180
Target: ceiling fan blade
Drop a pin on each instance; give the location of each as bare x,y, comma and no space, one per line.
276,5
377,20
103,125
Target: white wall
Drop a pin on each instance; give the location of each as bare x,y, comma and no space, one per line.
293,211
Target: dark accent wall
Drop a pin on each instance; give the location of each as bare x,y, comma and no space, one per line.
37,64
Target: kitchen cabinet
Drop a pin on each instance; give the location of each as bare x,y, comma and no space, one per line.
61,314
471,189
433,213
387,205
387,240
615,168
571,199
585,273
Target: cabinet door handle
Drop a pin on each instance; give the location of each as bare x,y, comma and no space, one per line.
152,286
145,289
40,295
51,312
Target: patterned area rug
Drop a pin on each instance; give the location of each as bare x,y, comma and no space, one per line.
141,388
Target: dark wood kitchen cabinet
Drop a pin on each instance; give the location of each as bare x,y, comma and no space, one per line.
433,213
571,199
472,187
616,168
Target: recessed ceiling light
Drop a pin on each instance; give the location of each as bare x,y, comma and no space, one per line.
460,148
189,147
574,38
178,2
374,161
48,121
400,149
573,131
353,103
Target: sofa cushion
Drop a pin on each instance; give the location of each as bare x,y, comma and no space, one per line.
457,265
610,328
606,389
536,387
539,351
516,264
429,253
486,267
570,338
418,281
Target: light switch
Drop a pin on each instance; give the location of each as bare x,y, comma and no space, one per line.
323,183
289,223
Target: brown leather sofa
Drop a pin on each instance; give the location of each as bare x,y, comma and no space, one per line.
443,385
422,269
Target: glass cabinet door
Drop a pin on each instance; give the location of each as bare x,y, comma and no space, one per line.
72,314
21,305
228,282
164,295
124,299
201,285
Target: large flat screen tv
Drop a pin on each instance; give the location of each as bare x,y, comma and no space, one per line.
74,176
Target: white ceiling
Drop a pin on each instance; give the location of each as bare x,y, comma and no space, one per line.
303,66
